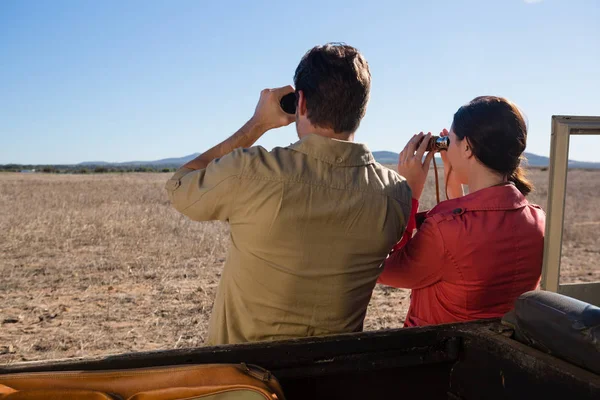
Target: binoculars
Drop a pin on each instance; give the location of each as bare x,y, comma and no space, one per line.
436,143
288,103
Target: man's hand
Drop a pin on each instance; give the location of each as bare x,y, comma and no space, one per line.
411,165
268,113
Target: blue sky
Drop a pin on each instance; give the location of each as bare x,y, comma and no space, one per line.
85,80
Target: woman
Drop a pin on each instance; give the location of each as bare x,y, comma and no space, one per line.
474,254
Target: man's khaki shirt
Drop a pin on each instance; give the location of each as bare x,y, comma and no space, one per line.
310,224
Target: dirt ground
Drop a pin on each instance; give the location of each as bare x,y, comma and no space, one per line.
100,264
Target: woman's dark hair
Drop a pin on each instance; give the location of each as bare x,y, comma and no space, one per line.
497,134
336,82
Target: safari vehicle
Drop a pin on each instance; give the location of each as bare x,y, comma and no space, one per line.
548,347
478,360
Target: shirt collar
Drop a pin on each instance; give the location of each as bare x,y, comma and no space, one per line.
333,151
503,197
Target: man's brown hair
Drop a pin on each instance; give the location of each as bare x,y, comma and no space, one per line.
336,82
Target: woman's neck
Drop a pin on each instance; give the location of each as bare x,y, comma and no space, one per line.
484,179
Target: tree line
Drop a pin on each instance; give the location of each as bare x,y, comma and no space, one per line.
85,169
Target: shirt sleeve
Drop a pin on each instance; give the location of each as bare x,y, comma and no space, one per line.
411,225
416,260
207,194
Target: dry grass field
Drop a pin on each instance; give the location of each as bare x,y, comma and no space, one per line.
100,264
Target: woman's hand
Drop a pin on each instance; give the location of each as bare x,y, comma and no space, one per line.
411,165
453,187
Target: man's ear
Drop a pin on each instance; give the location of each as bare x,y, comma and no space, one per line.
301,107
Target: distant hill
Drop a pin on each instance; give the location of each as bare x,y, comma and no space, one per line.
95,163
533,160
158,163
180,161
583,164
383,157
386,157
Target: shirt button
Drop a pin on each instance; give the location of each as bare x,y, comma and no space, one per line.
173,184
457,211
339,160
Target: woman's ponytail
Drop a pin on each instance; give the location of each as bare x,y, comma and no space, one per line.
520,181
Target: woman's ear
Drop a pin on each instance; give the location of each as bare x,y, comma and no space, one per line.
467,149
301,107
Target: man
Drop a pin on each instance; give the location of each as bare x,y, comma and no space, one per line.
310,223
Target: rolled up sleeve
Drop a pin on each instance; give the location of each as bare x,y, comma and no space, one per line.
207,194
